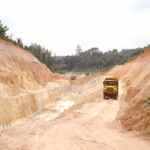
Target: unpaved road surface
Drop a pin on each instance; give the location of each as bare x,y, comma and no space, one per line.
87,125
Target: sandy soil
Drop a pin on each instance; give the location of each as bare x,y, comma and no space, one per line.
89,125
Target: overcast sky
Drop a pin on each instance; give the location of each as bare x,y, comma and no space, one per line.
60,25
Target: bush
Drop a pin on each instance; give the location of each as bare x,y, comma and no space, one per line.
145,103
129,127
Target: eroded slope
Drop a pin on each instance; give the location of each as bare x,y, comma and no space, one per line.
88,124
134,106
22,78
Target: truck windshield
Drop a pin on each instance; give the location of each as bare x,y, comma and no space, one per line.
110,83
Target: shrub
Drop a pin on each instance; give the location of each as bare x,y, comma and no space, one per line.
129,127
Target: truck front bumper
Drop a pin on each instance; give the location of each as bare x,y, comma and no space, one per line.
110,94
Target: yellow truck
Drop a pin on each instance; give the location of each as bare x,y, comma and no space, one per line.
110,88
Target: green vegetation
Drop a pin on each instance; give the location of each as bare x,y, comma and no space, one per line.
3,30
94,61
43,55
129,127
3,35
145,103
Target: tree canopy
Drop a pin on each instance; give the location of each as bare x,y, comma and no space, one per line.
44,55
94,60
3,30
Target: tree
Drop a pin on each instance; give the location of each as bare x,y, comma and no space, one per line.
44,55
94,60
93,50
115,50
3,30
19,42
78,50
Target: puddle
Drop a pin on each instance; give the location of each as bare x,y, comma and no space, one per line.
52,110
47,113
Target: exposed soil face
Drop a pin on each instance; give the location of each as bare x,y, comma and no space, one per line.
88,124
46,111
134,107
22,80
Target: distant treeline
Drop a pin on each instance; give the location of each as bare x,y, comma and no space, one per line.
44,55
93,60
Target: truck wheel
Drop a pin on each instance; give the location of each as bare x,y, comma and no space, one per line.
116,97
104,96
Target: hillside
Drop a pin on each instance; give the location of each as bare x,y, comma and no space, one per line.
135,75
13,53
43,110
22,78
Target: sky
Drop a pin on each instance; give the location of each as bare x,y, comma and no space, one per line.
61,25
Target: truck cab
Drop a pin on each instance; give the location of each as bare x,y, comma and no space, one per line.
110,89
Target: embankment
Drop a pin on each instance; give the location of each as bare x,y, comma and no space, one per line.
134,111
22,78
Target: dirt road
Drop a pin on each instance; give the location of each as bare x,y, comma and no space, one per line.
88,125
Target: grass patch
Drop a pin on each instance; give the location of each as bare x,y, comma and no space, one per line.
135,54
129,127
145,103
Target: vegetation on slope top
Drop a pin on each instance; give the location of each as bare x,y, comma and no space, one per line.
92,60
44,55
